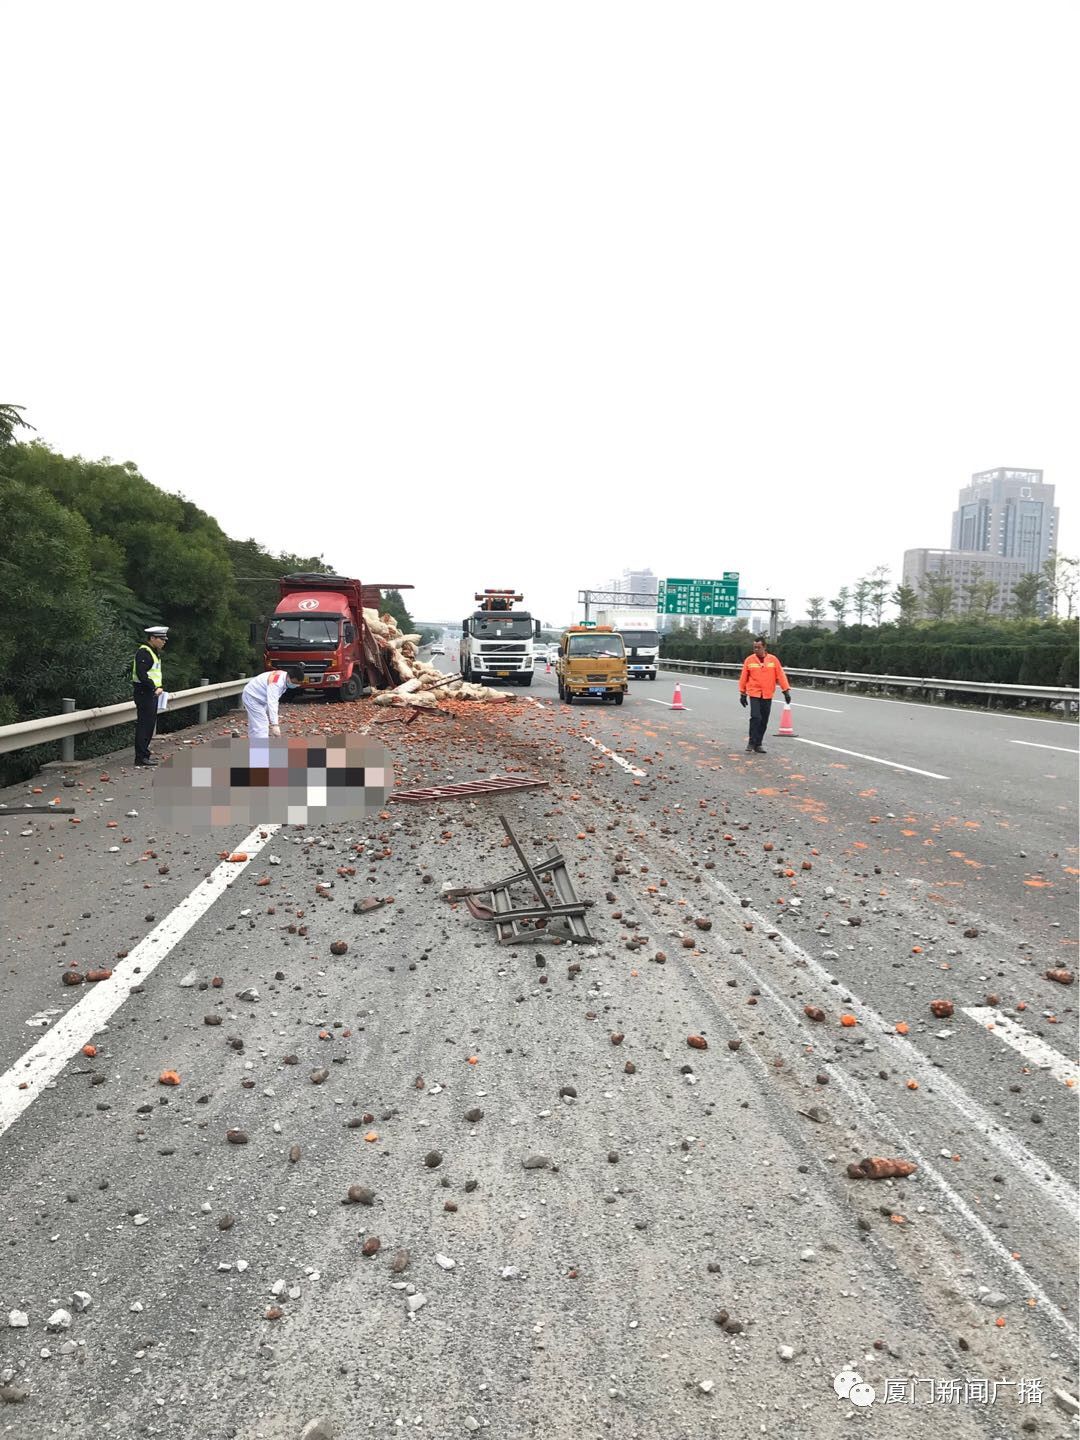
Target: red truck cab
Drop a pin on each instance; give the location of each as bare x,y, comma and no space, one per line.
319,625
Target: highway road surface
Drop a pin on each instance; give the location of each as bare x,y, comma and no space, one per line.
607,1189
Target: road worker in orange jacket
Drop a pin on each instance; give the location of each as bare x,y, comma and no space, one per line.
761,674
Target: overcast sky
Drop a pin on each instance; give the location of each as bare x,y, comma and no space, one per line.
472,294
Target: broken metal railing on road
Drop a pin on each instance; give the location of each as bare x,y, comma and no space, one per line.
496,785
1050,693
515,922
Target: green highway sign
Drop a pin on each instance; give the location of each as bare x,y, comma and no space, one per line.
699,597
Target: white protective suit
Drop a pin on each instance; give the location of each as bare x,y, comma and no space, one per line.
260,697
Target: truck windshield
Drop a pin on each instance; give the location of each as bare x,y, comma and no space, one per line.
498,626
600,647
298,632
640,639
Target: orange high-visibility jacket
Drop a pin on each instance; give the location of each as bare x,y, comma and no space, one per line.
761,677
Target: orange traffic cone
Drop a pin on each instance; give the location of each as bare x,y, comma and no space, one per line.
786,727
547,668
676,699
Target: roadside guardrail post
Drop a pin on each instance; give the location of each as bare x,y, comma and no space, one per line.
204,708
67,745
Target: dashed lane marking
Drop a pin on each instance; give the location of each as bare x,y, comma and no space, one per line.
1034,744
875,759
45,1060
1035,1051
619,759
666,703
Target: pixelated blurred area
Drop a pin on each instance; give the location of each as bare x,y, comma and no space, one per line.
274,782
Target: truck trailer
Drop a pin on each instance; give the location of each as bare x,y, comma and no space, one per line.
497,641
319,625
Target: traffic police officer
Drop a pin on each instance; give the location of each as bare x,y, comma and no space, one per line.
146,687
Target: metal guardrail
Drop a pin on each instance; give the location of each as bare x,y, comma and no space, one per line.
27,733
903,682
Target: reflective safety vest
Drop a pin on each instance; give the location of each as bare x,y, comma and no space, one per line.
154,673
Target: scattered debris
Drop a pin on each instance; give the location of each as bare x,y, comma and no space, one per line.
875,1167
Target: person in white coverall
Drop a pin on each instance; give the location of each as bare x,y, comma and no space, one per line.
261,696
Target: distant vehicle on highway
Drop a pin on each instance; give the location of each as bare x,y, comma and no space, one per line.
438,650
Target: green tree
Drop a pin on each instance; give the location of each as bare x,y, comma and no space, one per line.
393,604
937,595
860,598
1067,575
980,595
48,620
906,601
878,591
815,611
1025,596
841,605
11,420
1061,579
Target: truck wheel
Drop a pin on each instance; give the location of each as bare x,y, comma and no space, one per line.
619,698
526,679
466,674
352,687
568,697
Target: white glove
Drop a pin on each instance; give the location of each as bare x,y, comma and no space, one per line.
275,730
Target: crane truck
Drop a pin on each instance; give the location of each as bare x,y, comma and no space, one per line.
497,641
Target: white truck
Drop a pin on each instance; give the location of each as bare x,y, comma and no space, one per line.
641,640
497,641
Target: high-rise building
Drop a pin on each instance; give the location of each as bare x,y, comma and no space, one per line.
636,582
631,582
1010,513
1004,527
962,569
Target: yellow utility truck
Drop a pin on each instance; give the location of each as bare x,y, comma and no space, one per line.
591,663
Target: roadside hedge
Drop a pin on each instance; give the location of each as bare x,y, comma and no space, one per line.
1046,655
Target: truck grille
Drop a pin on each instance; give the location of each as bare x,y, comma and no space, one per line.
597,679
502,649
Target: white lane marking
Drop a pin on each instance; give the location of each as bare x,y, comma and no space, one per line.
1065,749
695,687
665,703
619,759
802,705
1035,1051
877,759
45,1060
1030,1166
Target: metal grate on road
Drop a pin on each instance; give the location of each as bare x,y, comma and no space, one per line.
463,791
